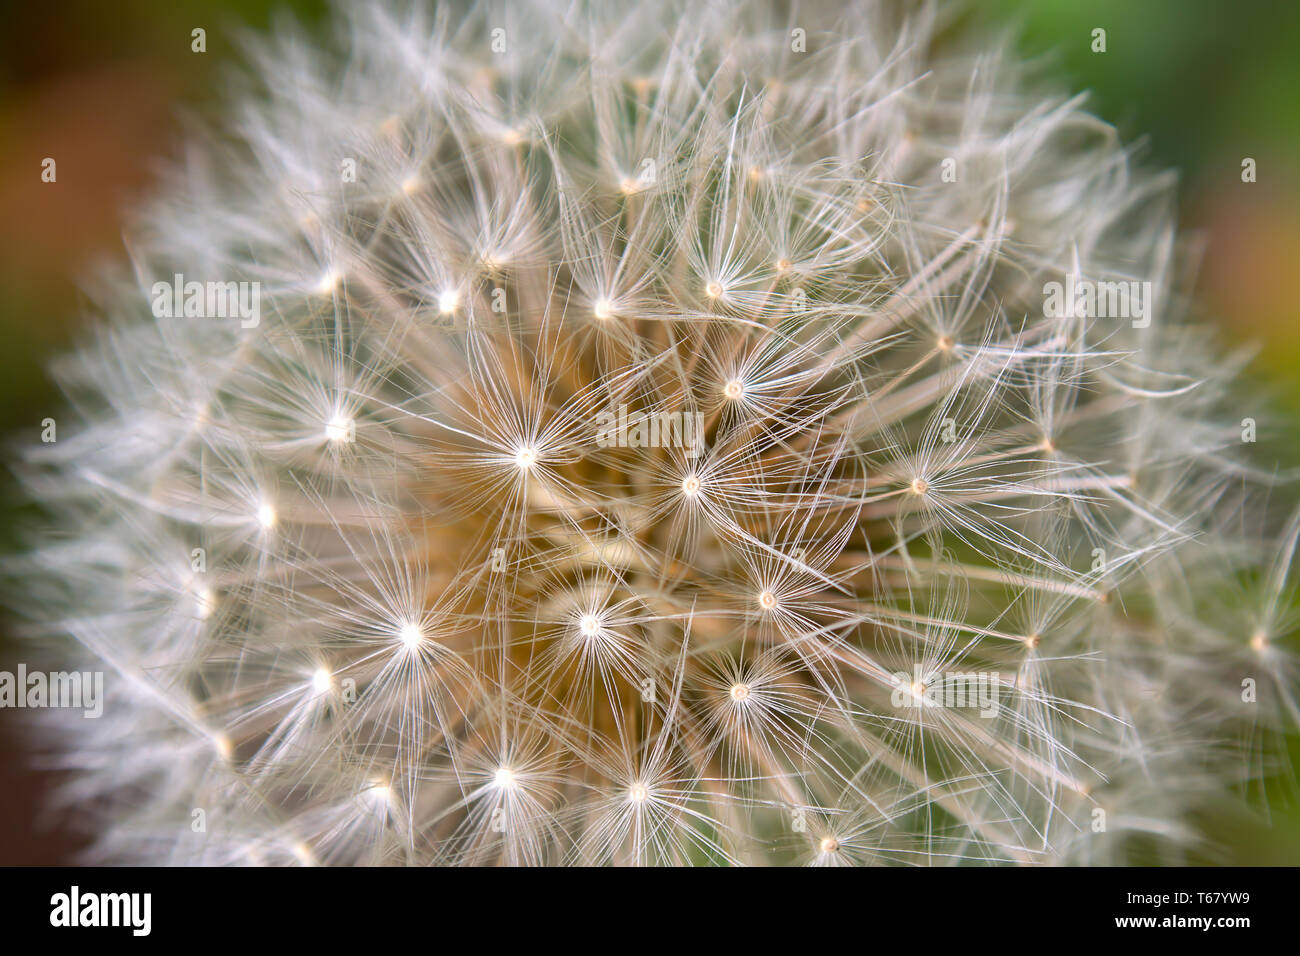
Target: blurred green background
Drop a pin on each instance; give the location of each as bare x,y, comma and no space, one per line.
101,86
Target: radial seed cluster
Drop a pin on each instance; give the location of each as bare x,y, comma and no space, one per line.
655,446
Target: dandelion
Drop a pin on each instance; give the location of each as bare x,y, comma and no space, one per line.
439,621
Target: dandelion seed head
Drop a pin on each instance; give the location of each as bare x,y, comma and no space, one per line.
525,457
205,602
654,582
222,745
338,429
411,635
303,854
504,779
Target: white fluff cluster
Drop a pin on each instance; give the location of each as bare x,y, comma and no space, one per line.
654,416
